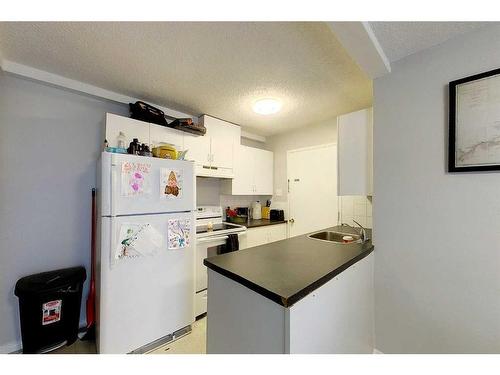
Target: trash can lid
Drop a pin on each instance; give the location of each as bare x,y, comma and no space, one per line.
46,281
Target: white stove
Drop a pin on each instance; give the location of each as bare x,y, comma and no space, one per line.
211,236
209,223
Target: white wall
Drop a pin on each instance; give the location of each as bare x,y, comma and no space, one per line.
49,142
297,138
437,235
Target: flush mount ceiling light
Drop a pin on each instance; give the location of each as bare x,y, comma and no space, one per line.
266,106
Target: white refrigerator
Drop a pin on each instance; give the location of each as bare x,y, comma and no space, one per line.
146,244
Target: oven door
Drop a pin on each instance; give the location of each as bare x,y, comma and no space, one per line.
206,247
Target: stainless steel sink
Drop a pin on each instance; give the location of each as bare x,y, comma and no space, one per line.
336,237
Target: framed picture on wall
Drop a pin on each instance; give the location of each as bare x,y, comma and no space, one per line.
474,123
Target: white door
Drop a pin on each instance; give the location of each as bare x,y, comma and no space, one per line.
144,298
312,196
140,185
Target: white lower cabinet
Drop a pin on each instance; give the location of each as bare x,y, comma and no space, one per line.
263,235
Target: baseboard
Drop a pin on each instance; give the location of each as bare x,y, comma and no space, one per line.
376,351
11,348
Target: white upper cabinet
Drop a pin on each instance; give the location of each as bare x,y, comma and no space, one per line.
159,134
355,149
253,172
243,181
224,137
263,172
213,153
130,127
149,134
198,149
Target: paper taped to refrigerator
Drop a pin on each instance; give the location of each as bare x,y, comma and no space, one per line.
179,233
135,179
138,240
171,183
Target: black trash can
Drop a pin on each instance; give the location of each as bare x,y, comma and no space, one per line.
49,306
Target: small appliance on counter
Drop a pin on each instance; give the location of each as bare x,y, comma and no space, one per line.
266,210
238,215
277,215
256,210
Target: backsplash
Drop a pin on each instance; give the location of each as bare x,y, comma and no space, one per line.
357,208
351,207
208,193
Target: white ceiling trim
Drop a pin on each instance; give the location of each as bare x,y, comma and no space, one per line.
57,80
362,45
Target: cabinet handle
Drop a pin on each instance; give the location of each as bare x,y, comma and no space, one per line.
214,168
206,167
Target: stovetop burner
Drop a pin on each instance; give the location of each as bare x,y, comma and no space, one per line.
216,227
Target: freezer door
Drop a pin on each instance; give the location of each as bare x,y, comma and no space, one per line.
133,184
148,297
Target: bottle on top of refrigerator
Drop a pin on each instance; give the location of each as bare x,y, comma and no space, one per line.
121,140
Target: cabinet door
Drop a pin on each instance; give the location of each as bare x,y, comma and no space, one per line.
130,127
198,149
224,136
159,134
243,181
355,153
277,232
257,236
263,171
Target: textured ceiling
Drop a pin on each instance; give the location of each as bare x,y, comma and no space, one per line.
401,39
214,68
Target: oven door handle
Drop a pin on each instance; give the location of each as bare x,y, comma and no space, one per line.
212,239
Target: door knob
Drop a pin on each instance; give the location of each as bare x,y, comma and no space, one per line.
292,221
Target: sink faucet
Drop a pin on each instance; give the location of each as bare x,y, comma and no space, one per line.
362,231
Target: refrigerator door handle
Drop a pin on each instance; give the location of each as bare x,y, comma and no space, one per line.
114,180
112,240
212,239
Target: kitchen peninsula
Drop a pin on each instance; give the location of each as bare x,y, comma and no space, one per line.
299,295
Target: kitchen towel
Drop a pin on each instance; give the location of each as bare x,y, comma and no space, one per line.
232,243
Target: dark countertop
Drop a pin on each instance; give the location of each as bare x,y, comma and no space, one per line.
288,270
254,223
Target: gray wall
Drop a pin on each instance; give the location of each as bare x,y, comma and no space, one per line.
49,142
437,235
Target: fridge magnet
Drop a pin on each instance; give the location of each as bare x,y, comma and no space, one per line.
179,233
474,123
171,183
135,179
